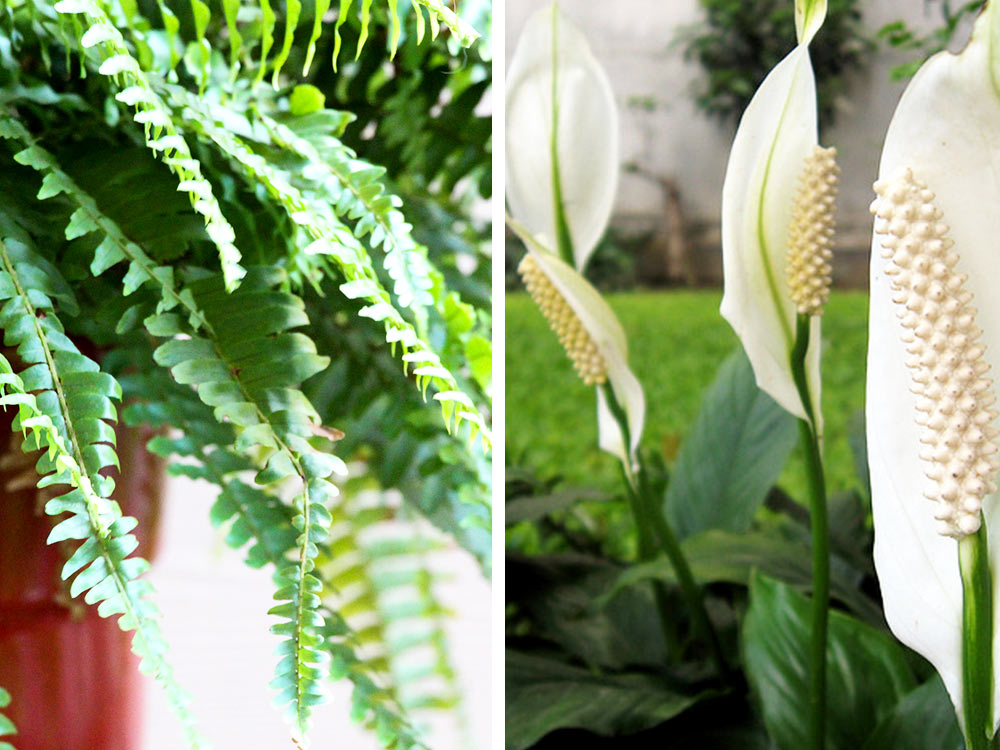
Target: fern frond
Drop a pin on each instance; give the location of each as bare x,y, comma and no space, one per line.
65,406
371,703
260,523
161,135
115,247
356,193
7,728
332,239
380,581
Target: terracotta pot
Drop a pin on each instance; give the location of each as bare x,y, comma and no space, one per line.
71,674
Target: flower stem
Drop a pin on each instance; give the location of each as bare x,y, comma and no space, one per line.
977,640
820,541
647,552
648,514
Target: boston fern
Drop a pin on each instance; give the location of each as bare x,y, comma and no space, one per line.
193,242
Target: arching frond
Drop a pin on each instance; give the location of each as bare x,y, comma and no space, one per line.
65,407
162,136
332,239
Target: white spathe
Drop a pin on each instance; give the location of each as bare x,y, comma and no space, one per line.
809,16
776,134
586,141
602,325
946,128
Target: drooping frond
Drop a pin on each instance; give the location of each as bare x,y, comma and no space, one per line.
258,522
331,238
65,407
161,134
380,582
355,193
7,727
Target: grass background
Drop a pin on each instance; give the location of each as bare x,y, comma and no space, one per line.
677,340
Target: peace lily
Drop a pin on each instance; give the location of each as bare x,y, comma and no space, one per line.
593,339
931,413
562,137
779,188
777,235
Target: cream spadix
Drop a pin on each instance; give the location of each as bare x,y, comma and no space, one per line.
593,338
954,398
810,236
946,131
561,136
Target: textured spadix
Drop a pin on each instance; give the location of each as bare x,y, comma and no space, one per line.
776,136
810,237
553,57
946,129
596,341
947,368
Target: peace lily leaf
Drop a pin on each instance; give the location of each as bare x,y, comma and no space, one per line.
732,456
544,694
555,83
776,134
602,326
923,720
946,129
809,16
866,669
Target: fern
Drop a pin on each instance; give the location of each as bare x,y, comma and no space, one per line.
331,238
162,136
235,371
379,580
7,727
136,224
356,193
64,404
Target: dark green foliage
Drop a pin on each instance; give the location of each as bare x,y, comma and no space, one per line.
867,670
544,694
739,42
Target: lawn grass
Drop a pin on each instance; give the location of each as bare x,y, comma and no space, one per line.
676,342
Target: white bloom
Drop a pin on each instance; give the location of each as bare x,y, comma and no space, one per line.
553,57
592,336
776,136
945,136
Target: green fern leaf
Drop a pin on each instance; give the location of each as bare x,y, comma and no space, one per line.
7,727
321,7
65,406
355,192
161,135
331,238
292,10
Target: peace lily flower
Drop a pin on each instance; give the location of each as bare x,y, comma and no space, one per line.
931,413
777,223
592,337
562,137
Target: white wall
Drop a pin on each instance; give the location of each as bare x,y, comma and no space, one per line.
632,38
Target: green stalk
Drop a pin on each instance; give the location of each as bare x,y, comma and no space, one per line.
647,552
977,640
648,513
820,541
